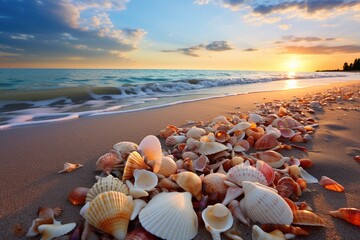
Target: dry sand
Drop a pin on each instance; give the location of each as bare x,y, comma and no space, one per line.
31,157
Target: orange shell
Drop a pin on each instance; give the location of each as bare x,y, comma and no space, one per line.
267,141
285,229
351,215
291,204
305,163
168,131
78,195
330,184
134,161
305,217
190,182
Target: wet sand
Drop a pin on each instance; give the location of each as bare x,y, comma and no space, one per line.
31,157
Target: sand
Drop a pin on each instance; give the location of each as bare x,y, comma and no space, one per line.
31,157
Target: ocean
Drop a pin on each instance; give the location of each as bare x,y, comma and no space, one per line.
39,96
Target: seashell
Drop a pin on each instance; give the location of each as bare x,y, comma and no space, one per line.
144,179
291,204
168,184
138,205
276,131
315,104
170,216
238,135
51,231
302,183
175,139
256,133
234,207
217,219
192,144
267,141
140,234
298,138
357,158
245,172
214,186
232,193
286,187
108,183
351,215
307,177
305,162
236,160
188,165
221,120
294,170
136,192
331,184
190,155
285,122
256,118
245,144
110,212
287,133
33,230
238,148
282,111
150,148
69,167
124,148
241,126
209,148
251,140
164,166
285,229
134,161
195,133
304,206
259,234
190,182
168,131
293,161
274,159
266,170
264,205
107,162
208,138
200,163
308,218
222,136
78,195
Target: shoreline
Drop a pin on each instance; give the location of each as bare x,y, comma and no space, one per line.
34,154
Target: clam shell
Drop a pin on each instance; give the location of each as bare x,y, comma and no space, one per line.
266,170
222,136
274,159
140,234
51,231
175,139
107,162
200,163
144,179
108,183
190,182
214,186
78,195
263,205
150,148
134,161
164,166
110,212
195,133
245,172
170,216
221,119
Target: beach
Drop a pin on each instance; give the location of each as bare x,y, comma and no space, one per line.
31,156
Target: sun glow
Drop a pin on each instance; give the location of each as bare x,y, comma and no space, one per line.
293,65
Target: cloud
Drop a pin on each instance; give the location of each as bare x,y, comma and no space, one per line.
57,28
320,49
306,39
217,46
284,26
250,50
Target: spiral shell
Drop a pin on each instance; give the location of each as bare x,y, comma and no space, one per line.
108,183
110,212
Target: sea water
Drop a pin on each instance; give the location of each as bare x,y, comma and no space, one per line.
38,96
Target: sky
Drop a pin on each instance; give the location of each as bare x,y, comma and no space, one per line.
294,35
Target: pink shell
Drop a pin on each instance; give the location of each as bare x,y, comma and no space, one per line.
107,161
245,172
266,170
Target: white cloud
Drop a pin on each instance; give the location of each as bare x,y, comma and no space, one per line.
21,36
284,26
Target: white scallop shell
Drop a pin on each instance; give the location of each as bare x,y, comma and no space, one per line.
175,139
208,148
144,179
245,172
240,126
124,148
263,205
170,216
110,212
105,184
195,133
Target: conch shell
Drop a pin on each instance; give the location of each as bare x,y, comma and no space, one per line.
217,219
69,167
351,215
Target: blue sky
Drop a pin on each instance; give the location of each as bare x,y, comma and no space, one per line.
198,34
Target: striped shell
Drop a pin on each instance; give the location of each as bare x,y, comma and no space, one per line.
125,148
208,148
190,182
195,133
110,212
134,161
108,183
170,216
164,166
263,205
245,172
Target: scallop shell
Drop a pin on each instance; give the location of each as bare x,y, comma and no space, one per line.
164,166
125,148
208,148
195,133
140,234
267,141
51,231
240,126
331,184
110,212
190,182
108,183
150,148
144,179
170,216
263,205
266,170
134,161
78,195
308,218
286,187
107,162
217,219
351,215
175,139
245,172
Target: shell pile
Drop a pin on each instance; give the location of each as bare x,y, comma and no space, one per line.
207,174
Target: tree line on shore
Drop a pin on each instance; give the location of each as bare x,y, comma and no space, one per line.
352,66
